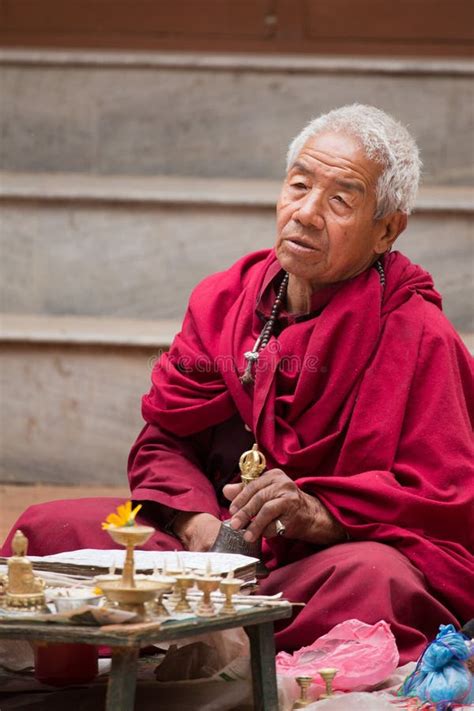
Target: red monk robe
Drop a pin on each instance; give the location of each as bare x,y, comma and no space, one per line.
365,404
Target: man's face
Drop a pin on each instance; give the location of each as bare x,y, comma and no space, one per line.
326,230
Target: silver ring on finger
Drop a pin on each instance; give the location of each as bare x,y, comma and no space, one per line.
280,527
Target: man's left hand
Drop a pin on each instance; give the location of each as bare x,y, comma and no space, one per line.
272,496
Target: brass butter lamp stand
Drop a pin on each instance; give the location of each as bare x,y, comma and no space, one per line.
166,583
184,582
304,682
327,675
229,586
207,584
127,592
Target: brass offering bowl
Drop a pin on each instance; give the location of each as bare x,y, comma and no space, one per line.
128,592
131,598
130,537
106,578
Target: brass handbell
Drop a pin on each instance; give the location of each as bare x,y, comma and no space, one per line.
252,463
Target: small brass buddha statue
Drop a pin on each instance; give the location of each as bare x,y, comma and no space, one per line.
23,589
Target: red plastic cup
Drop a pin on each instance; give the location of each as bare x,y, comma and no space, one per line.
65,664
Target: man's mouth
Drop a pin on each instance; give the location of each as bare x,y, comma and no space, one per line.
299,244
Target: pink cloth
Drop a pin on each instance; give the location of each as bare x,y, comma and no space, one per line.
364,655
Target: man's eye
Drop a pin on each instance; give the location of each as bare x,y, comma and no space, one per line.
339,199
298,186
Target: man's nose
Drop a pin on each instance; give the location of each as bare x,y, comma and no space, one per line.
309,211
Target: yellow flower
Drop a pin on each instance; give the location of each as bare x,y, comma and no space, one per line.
124,516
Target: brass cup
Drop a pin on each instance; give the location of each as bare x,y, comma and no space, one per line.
165,583
304,682
229,586
207,585
327,674
183,583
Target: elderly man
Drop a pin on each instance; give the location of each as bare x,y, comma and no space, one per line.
333,353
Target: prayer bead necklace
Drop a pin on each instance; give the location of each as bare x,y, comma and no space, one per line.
380,269
252,356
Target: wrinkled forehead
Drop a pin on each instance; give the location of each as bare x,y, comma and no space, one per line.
337,155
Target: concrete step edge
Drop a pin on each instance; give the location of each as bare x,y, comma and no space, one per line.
163,189
87,330
100,331
245,62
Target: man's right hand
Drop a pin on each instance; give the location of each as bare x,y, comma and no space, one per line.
196,531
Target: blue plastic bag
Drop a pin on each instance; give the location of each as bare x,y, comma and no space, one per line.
441,675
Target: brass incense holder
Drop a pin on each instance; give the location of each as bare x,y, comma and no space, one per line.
207,584
304,682
184,582
127,592
229,586
327,675
22,588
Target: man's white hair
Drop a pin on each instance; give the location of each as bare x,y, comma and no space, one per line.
384,140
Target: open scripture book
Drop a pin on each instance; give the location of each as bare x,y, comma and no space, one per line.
90,561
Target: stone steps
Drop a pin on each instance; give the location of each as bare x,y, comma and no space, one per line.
87,331
217,115
102,238
71,389
134,247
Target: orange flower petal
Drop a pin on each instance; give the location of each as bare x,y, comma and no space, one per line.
122,512
114,520
124,516
135,511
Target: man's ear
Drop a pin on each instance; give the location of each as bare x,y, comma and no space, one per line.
391,227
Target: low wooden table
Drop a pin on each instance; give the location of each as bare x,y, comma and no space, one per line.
126,640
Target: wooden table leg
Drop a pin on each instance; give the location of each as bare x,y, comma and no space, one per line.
262,651
122,679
